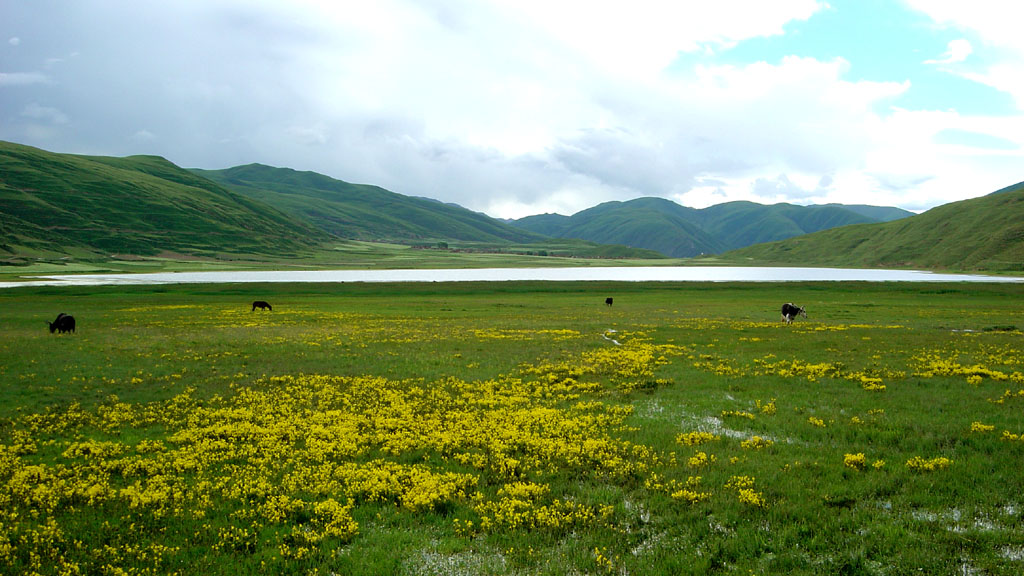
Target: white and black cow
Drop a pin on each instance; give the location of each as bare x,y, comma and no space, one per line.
790,312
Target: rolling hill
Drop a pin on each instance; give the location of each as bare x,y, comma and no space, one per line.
652,223
985,233
363,212
94,207
56,207
678,231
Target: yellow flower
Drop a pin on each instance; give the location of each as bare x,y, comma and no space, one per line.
856,461
756,443
919,464
766,409
691,496
696,438
979,427
701,459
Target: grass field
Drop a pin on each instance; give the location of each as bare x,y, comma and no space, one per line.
513,428
358,255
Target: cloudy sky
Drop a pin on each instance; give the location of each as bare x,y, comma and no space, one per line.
518,107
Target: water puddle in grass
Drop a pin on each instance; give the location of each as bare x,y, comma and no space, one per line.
432,562
651,410
712,425
1015,553
612,340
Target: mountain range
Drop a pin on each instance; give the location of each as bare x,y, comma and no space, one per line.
359,211
985,233
94,207
682,232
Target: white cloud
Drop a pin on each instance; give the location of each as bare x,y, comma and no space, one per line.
509,107
14,41
996,23
22,78
311,135
46,113
957,51
1005,76
643,37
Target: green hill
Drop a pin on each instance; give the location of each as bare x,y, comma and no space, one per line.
93,207
363,212
678,231
877,213
652,223
985,233
90,208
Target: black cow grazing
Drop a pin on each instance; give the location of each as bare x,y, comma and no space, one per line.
608,301
261,305
63,323
790,312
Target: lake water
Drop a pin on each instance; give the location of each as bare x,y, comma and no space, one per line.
626,274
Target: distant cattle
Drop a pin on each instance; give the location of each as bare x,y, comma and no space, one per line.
790,312
608,301
63,323
261,305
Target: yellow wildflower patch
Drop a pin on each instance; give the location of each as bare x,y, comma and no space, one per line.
701,459
856,461
756,443
920,464
979,427
696,438
292,455
745,493
737,414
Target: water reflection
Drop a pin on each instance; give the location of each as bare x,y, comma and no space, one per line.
626,274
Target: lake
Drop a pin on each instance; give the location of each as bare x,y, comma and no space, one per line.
623,274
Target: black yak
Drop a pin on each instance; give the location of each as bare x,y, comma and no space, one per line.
608,301
790,312
63,323
261,305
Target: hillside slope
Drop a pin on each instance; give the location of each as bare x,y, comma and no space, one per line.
985,233
362,212
652,223
678,231
64,204
876,213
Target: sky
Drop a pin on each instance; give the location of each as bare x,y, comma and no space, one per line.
521,107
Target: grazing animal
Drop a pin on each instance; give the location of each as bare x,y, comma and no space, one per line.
63,323
790,312
261,305
608,301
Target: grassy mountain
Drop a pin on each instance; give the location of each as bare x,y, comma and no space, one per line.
89,207
877,213
652,223
678,231
985,233
739,224
363,212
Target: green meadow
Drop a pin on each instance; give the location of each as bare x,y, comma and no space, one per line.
513,428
